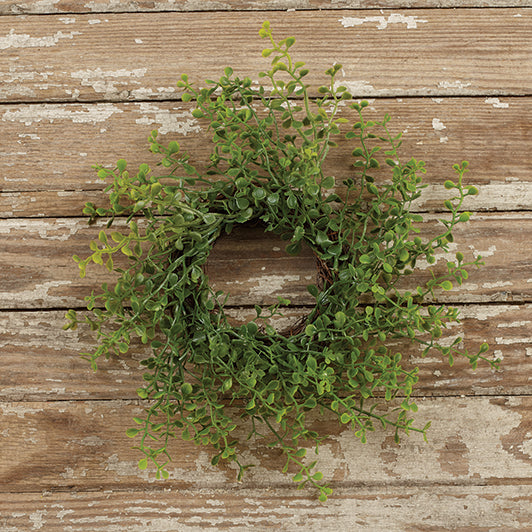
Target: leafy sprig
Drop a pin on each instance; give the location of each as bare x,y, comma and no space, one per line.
207,377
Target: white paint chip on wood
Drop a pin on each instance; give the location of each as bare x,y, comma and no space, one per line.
166,120
88,114
457,85
495,102
437,124
358,87
382,22
23,40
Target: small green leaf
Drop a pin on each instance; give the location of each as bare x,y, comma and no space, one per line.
131,433
328,182
310,330
313,290
339,319
298,477
345,418
447,285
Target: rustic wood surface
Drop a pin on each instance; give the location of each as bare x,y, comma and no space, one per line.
120,56
490,132
83,83
14,7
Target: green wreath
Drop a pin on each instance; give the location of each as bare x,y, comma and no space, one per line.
207,377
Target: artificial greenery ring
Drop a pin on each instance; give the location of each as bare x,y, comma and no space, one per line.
206,376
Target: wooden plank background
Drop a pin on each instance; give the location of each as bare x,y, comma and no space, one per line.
83,83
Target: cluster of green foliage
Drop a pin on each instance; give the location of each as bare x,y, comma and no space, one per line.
206,376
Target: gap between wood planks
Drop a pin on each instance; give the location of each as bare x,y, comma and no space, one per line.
14,8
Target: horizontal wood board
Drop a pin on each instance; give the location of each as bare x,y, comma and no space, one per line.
14,7
58,445
431,53
35,338
46,174
37,270
383,508
84,83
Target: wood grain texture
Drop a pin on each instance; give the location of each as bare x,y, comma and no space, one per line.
68,445
46,174
83,83
121,57
36,340
37,270
367,508
15,7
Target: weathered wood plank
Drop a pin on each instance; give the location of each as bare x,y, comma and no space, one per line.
36,340
15,7
499,239
37,271
393,508
46,174
427,52
82,446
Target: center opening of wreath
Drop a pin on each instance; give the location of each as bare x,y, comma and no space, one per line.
253,269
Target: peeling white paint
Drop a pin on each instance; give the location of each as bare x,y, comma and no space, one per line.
39,293
497,103
57,230
267,285
62,512
486,253
44,7
381,22
20,393
19,91
457,84
521,323
86,114
444,139
146,92
18,409
110,5
359,87
99,80
437,124
37,519
23,40
168,121
67,20
497,284
31,136
414,459
494,196
510,341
